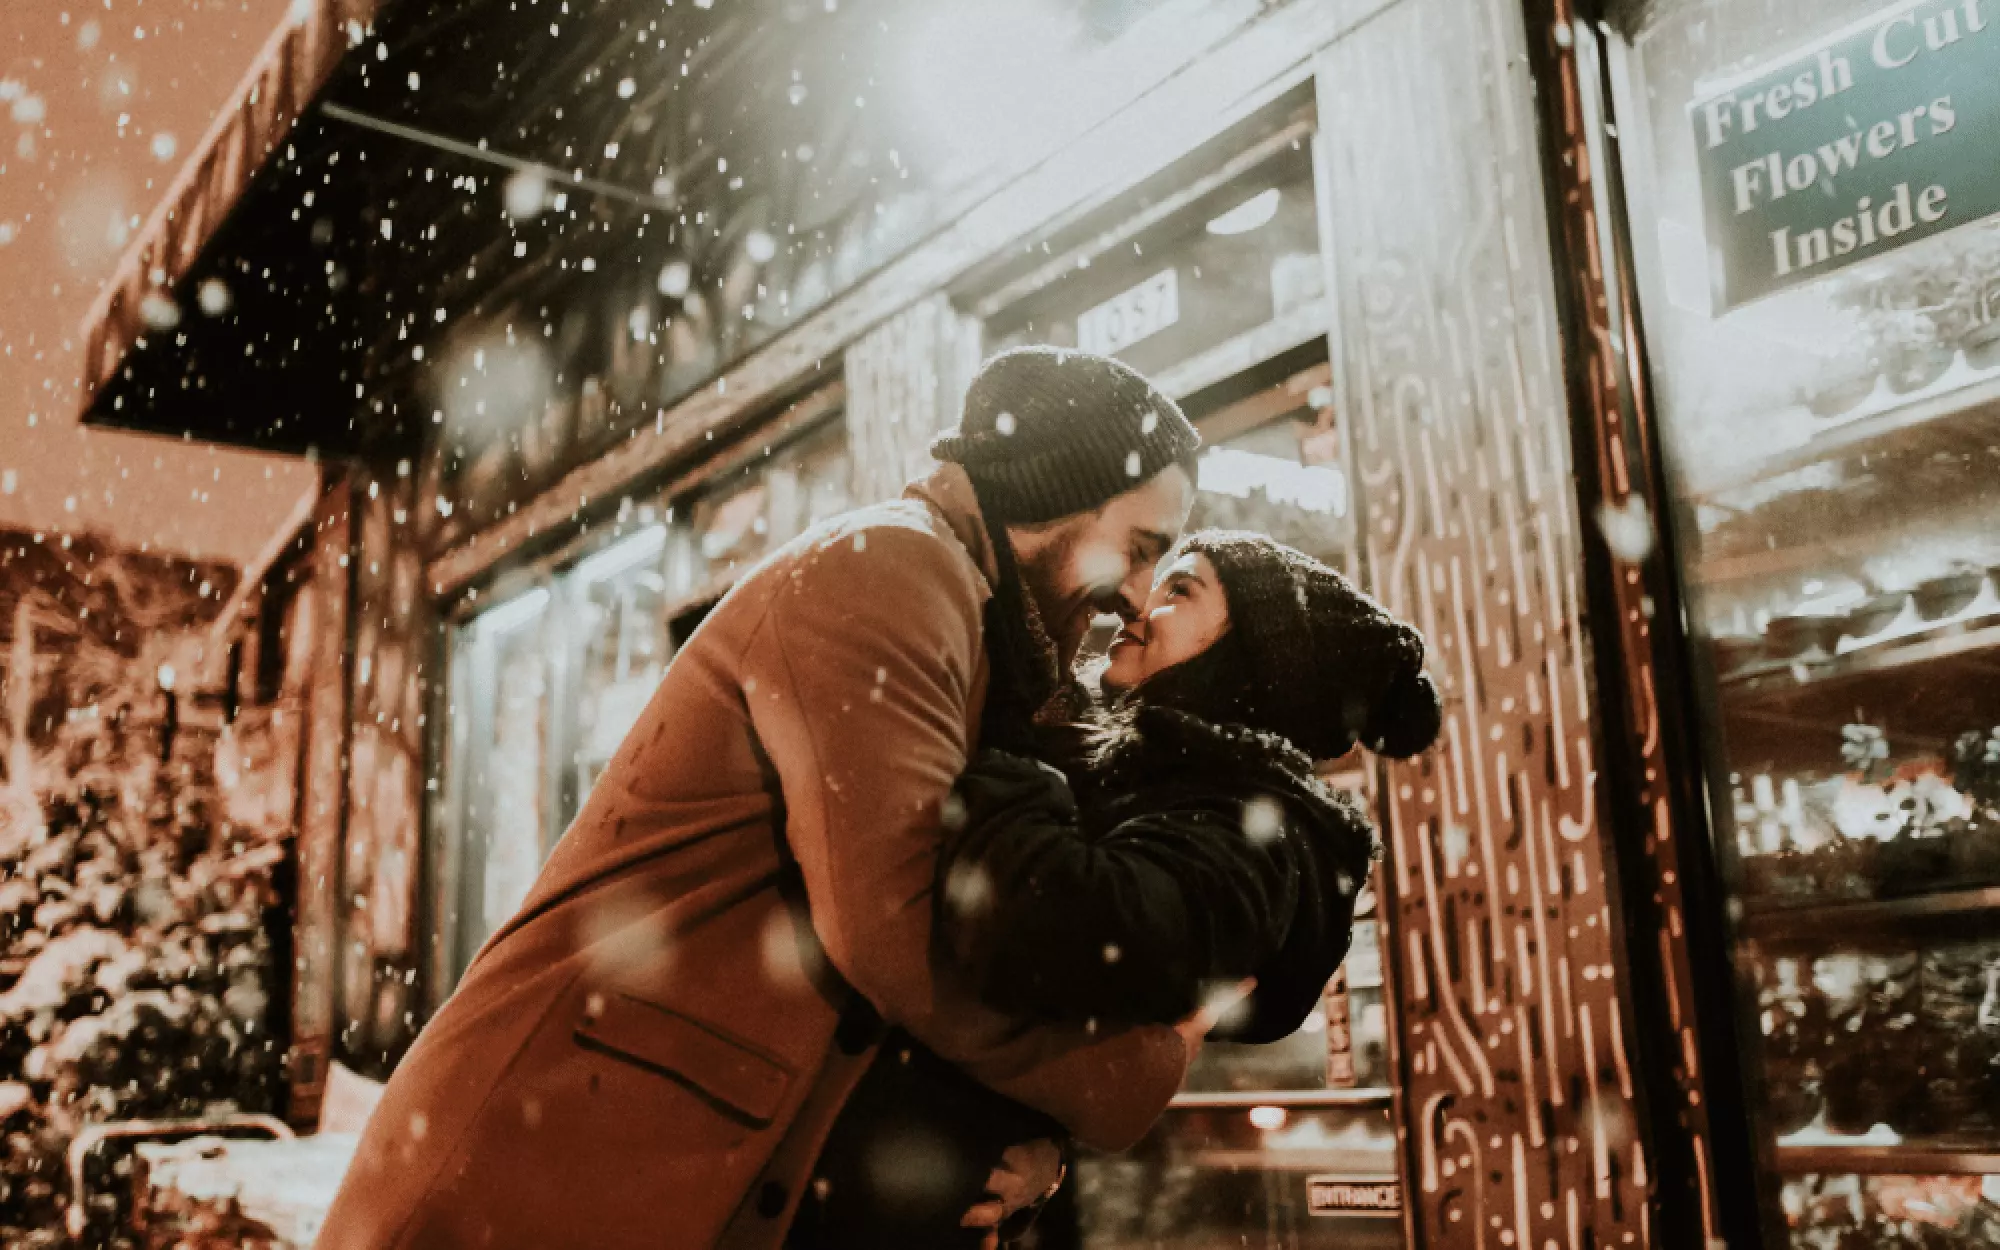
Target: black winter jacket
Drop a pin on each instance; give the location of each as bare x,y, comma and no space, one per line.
1184,857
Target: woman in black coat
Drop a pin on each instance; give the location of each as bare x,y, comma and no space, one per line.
1193,847
1183,849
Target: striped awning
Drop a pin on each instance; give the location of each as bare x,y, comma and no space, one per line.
288,72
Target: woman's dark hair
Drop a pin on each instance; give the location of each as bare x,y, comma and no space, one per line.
1217,685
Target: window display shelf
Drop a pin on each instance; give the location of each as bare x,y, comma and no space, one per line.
1948,411
1778,679
1817,926
1871,1160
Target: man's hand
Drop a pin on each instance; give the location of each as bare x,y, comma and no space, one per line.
1194,1029
1029,1173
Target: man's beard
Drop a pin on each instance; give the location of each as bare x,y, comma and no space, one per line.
1065,611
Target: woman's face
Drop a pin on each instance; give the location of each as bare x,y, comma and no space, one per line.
1185,613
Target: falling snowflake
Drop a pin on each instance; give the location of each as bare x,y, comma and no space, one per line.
1263,819
160,312
675,278
1628,531
525,194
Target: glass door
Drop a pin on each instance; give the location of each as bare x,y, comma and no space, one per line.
1820,277
1210,279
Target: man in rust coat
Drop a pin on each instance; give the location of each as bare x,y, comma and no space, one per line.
651,1052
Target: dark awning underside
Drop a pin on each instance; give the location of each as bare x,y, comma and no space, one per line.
139,307
348,203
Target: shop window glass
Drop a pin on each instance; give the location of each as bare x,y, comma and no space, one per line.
499,774
1274,463
1831,421
768,503
1214,285
1301,1178
618,601
1240,258
547,682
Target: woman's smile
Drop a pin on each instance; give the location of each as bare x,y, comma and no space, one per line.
1129,636
1186,612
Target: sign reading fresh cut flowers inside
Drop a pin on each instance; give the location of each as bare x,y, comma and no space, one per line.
1885,133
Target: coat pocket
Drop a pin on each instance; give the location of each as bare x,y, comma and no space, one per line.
736,1077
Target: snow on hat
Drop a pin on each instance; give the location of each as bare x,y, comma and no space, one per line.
1048,432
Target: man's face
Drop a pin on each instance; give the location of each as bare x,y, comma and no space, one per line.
1102,561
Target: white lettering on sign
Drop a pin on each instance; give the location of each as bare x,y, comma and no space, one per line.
1862,228
1772,177
1131,315
1865,141
1353,1195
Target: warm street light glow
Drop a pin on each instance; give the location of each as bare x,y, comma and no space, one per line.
987,82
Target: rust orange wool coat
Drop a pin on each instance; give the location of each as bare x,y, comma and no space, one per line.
645,1055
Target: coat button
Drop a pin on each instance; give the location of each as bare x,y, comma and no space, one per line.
771,1200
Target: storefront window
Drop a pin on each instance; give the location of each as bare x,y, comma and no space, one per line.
1270,1174
1238,258
1275,463
1825,341
1210,279
499,785
617,601
548,681
767,503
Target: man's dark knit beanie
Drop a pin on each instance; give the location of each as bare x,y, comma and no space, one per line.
1049,432
1329,666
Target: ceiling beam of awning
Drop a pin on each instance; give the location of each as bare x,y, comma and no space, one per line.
483,152
288,72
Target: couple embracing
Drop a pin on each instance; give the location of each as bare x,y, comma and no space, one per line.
876,910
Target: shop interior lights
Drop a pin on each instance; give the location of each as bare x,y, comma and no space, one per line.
1251,214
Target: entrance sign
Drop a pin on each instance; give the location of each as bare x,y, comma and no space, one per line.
1354,1195
1882,134
1133,314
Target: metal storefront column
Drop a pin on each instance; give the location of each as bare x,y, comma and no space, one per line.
1516,1098
1691,1070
